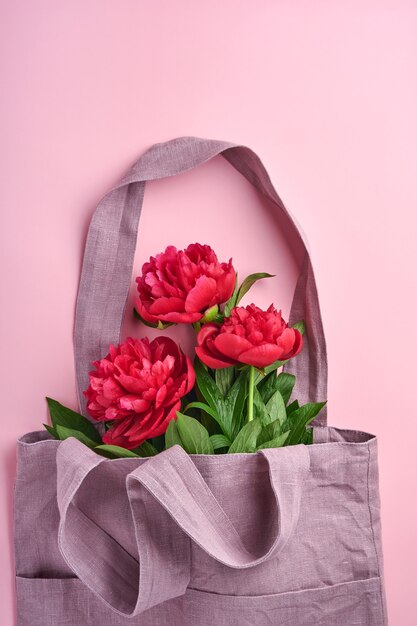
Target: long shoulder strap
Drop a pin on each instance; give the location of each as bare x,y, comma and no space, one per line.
109,255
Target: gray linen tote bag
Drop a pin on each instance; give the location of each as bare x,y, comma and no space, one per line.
284,537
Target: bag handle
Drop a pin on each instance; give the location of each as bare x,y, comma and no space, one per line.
171,504
109,255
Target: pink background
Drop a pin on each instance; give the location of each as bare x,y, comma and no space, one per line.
325,92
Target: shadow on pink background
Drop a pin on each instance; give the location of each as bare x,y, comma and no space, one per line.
324,92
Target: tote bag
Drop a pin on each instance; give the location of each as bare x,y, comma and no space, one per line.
287,536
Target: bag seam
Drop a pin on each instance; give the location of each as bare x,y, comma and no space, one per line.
384,617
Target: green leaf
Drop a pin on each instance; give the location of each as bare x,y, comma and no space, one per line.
210,314
211,393
278,442
219,441
209,411
203,407
260,409
232,300
276,408
158,442
292,416
162,325
260,374
232,410
51,430
292,407
145,449
224,379
308,437
272,431
64,433
172,436
300,418
284,383
226,410
268,386
274,366
115,452
195,438
206,384
247,437
248,282
300,326
70,419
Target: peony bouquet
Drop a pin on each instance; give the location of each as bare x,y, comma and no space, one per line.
149,395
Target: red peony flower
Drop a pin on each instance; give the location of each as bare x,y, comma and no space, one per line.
179,286
250,336
139,385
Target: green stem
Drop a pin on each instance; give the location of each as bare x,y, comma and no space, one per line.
251,386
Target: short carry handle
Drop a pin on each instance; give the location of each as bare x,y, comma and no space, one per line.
171,506
109,255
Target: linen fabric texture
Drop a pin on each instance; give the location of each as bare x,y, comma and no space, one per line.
283,537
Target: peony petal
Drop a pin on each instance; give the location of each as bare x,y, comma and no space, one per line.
255,337
298,344
175,317
102,401
226,284
180,318
190,374
131,383
96,411
202,295
168,364
169,289
261,356
113,352
166,305
116,413
162,346
207,330
153,418
143,312
187,272
212,361
286,343
231,345
134,403
155,430
120,427
149,394
115,435
141,348
112,390
160,396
